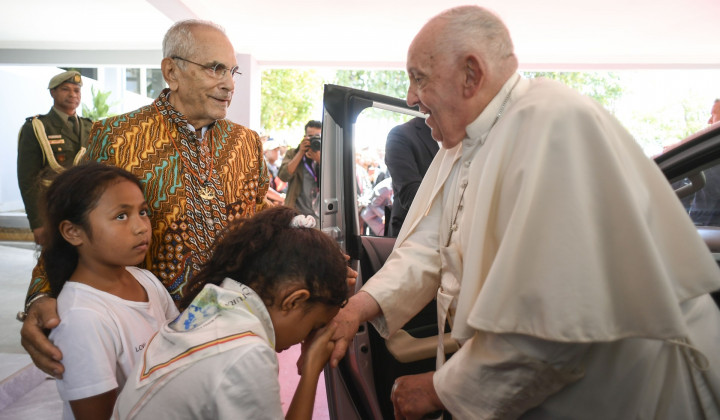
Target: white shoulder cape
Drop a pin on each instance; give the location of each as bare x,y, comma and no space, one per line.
570,232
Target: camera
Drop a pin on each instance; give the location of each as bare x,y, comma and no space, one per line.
315,143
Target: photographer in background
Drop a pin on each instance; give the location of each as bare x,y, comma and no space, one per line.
301,170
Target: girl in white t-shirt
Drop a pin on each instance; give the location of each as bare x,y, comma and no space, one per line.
272,281
97,229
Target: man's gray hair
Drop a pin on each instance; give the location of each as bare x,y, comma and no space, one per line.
478,30
179,40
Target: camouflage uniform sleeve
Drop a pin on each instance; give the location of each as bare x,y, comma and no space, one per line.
29,166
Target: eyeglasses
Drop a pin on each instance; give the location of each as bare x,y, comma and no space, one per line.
218,71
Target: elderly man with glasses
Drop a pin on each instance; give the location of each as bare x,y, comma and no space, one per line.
198,169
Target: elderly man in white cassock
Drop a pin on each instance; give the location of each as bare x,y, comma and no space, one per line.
574,281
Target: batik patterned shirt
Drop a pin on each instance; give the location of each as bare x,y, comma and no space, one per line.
193,187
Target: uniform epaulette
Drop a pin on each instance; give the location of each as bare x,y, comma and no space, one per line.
34,116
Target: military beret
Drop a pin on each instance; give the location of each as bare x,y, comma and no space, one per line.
70,76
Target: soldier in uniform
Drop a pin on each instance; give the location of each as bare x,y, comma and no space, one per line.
49,143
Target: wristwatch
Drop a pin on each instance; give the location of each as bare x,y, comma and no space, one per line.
21,315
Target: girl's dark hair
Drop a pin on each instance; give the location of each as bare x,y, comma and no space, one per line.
265,253
72,196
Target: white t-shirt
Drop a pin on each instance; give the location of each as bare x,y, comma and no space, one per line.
241,383
103,336
217,360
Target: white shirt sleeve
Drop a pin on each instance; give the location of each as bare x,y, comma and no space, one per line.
88,344
505,375
410,277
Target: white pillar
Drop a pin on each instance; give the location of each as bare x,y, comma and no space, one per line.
245,106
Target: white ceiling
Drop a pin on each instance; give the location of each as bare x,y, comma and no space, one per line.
556,34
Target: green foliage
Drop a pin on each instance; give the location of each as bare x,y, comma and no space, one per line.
661,125
101,108
385,82
287,97
290,96
695,116
604,87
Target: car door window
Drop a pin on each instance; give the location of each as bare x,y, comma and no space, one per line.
374,193
355,128
700,195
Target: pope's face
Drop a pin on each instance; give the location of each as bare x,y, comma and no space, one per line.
436,87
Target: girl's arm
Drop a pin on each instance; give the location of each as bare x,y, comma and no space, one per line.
96,407
315,360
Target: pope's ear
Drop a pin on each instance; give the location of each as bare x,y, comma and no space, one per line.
170,72
71,233
295,300
474,75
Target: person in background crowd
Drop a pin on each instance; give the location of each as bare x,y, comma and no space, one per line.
373,213
278,188
301,170
574,282
270,153
49,143
704,205
282,151
715,112
409,150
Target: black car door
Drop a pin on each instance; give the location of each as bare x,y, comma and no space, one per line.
693,169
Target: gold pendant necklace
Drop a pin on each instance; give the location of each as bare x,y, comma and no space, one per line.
206,192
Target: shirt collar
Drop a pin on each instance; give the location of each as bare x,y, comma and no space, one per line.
63,115
235,299
478,130
164,98
203,130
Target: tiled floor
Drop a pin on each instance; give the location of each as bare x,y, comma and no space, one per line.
26,393
29,395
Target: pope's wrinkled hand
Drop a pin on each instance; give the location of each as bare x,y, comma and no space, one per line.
414,397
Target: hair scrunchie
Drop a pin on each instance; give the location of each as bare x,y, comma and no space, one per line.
302,221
